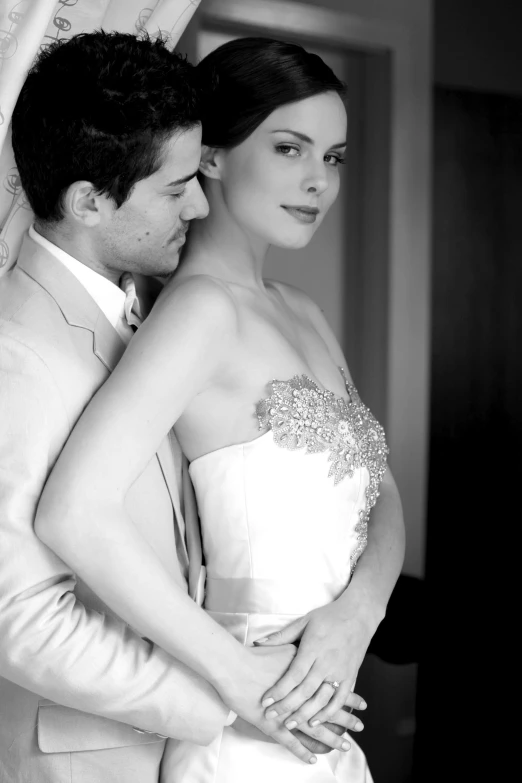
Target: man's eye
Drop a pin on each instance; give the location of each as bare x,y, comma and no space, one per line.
288,150
177,195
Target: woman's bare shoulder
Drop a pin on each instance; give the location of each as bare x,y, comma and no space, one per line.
192,304
196,288
186,336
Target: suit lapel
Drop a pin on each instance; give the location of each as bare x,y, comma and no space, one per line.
107,344
80,310
78,307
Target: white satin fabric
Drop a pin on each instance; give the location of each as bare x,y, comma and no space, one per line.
277,538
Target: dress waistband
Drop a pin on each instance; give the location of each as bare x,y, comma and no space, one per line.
268,596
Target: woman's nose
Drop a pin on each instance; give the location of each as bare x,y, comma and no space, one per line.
316,182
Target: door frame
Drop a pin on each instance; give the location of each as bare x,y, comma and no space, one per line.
400,294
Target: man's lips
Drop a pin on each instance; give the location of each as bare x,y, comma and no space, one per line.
180,237
302,213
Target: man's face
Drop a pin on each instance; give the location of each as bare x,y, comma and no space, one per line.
146,233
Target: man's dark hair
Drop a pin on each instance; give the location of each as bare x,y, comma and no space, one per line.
245,80
99,107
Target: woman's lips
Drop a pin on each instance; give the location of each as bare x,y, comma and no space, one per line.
303,214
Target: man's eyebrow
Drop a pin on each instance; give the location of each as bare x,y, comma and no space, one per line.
182,180
306,138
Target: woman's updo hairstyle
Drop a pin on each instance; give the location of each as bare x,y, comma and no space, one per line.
245,80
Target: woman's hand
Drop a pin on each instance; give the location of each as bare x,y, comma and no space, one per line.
334,640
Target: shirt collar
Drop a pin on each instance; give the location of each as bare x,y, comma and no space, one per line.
109,298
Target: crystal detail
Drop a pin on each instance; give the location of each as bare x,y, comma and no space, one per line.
301,415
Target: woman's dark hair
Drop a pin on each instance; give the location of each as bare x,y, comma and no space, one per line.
99,107
245,80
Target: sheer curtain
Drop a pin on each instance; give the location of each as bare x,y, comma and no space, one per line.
27,26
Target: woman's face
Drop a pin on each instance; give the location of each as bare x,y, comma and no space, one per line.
281,181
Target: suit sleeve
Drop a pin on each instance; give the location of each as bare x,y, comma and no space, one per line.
49,642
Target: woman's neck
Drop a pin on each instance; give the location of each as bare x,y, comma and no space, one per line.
218,246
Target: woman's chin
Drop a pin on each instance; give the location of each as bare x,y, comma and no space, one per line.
295,242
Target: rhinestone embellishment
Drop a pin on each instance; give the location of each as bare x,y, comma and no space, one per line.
301,415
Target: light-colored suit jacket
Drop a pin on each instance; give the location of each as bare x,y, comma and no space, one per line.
74,679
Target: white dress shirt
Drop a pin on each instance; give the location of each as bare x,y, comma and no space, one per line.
109,298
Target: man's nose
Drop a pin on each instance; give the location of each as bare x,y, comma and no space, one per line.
197,207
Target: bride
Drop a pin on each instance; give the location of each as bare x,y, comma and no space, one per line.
285,459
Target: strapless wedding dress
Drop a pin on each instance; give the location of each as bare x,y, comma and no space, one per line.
284,520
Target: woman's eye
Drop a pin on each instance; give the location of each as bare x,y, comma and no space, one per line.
287,150
334,160
177,195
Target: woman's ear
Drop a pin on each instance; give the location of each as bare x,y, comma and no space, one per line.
210,162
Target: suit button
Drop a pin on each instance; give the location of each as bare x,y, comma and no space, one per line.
138,731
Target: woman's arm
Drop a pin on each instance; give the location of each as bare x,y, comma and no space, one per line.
50,643
334,638
82,517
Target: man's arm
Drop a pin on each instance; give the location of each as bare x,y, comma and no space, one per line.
49,642
53,645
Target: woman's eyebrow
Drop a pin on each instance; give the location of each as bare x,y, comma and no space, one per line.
304,137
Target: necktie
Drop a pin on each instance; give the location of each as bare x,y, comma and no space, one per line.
132,308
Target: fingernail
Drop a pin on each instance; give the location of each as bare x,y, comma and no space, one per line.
358,726
291,724
271,714
267,702
363,705
261,641
315,722
346,745
313,760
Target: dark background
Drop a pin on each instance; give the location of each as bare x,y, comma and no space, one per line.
459,623
467,663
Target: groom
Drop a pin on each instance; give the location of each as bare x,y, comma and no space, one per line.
106,135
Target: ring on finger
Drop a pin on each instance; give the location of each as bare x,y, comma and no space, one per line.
333,683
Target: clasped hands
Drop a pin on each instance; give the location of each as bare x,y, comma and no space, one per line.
301,707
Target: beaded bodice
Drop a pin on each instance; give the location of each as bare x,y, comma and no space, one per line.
301,415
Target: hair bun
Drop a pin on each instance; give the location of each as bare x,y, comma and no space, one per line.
245,80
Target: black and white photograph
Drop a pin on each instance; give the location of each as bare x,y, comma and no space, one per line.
260,389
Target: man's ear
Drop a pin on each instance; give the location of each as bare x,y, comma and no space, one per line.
210,162
83,203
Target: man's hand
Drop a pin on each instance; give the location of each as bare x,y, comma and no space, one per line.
321,742
318,740
259,670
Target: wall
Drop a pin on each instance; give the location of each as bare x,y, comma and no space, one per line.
415,13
